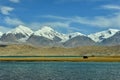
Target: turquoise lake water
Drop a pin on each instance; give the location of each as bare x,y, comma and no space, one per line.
59,71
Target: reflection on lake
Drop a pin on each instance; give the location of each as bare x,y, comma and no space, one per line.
59,71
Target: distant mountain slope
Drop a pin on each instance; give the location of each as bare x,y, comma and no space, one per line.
100,36
40,41
79,41
113,40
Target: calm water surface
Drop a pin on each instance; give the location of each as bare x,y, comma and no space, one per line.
59,71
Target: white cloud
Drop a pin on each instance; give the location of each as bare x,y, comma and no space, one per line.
15,1
117,7
37,25
59,26
110,22
97,21
54,17
4,29
64,1
6,10
13,21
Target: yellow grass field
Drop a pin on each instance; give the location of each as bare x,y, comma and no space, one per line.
95,53
78,59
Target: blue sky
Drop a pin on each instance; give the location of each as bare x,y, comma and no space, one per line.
85,16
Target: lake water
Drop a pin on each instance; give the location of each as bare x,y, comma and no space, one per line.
59,71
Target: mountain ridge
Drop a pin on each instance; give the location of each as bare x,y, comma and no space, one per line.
99,36
50,37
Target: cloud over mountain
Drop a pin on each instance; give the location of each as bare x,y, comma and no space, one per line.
15,1
5,10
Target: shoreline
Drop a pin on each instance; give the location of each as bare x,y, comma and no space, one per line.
64,59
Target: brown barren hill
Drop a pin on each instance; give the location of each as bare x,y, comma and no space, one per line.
28,50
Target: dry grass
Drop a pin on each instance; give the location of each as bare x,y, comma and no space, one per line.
80,59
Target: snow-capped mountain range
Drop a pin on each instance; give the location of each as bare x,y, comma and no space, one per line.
46,33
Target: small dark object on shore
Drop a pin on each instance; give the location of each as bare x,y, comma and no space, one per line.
85,57
3,45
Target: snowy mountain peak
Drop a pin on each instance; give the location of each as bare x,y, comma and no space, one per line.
21,26
113,30
76,34
47,32
72,35
21,29
99,36
1,34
